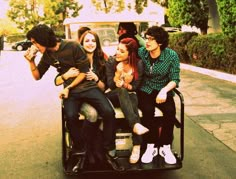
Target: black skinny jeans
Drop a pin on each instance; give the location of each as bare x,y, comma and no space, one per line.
128,102
98,100
147,104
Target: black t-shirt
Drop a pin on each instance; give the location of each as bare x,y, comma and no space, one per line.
70,54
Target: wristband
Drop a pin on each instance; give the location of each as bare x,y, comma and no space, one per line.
97,81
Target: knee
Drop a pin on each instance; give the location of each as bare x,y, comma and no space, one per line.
108,112
89,112
91,116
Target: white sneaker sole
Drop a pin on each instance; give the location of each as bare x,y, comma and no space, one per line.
149,159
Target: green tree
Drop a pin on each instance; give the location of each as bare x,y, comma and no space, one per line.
139,5
189,12
163,3
7,27
67,8
227,12
27,13
108,6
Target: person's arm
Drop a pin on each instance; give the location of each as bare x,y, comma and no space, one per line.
65,92
34,70
110,72
174,77
71,73
30,58
101,85
162,95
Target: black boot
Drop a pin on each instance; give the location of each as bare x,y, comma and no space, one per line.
80,158
113,162
76,162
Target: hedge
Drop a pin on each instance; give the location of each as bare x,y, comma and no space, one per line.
212,51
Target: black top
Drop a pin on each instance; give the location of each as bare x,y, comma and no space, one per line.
70,54
110,73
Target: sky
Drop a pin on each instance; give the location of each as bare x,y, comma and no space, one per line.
4,7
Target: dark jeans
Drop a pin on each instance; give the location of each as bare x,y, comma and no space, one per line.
128,102
147,104
98,100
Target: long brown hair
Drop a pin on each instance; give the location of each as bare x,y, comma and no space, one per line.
99,55
133,58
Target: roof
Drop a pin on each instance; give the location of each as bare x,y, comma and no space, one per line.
114,18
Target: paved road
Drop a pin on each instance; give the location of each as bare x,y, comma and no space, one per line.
30,125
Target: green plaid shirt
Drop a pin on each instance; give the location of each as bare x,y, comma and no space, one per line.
161,72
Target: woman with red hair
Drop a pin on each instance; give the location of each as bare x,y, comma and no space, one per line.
124,74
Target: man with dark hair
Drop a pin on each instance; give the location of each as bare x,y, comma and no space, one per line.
129,30
161,76
69,55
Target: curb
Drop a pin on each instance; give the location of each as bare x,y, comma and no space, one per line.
212,73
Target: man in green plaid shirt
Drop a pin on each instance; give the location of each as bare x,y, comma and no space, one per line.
161,76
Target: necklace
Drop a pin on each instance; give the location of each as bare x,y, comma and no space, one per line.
152,63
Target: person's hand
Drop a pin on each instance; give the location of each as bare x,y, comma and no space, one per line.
91,76
64,93
119,83
72,72
127,86
30,53
161,97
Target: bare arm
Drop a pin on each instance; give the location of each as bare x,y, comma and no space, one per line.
162,95
29,56
71,73
65,92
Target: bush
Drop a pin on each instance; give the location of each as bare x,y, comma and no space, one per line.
213,51
15,38
178,43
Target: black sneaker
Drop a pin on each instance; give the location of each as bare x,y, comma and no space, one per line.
76,162
80,163
113,162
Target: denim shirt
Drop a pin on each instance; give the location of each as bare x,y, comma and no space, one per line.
157,75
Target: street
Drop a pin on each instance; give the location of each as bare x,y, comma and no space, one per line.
30,125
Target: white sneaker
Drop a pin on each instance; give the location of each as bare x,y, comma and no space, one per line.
166,152
149,154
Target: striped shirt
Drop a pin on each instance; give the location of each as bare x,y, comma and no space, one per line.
157,75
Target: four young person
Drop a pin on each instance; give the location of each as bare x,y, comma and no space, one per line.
153,77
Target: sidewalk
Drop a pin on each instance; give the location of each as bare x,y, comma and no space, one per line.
210,101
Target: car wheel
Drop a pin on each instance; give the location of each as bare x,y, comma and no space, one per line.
19,48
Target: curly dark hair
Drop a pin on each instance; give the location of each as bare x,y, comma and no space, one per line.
43,35
130,27
160,34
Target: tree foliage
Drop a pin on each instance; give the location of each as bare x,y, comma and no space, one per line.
227,12
189,12
109,6
163,3
27,13
7,27
139,5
